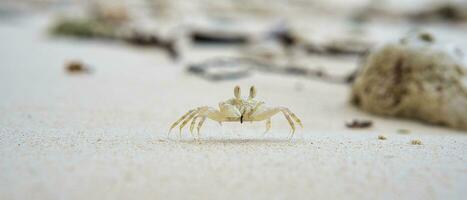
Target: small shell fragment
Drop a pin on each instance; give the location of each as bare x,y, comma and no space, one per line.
381,137
416,142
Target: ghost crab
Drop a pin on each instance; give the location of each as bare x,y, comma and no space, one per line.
236,110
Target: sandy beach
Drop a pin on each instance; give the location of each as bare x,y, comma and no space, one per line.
104,135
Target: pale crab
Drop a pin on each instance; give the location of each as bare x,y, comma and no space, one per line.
237,110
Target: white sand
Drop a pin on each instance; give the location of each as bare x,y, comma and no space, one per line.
103,136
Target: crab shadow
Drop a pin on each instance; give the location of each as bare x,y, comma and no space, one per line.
239,141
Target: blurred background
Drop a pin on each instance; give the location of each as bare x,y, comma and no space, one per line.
89,88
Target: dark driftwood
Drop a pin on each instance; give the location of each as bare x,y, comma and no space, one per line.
218,38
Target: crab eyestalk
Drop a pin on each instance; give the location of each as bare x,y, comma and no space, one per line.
237,92
252,92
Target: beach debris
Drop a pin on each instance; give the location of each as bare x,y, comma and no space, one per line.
381,137
339,47
237,109
359,124
414,78
206,37
446,11
101,21
76,67
225,68
427,37
416,142
113,22
96,29
451,11
85,28
140,38
282,33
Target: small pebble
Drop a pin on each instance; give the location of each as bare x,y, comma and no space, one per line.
381,137
416,142
77,67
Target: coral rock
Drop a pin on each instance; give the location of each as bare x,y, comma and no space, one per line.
414,78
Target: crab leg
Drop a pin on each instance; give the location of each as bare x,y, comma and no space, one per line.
202,113
292,125
193,122
200,123
269,112
180,119
187,120
297,120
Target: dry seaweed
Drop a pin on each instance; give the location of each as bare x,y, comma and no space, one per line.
92,28
84,28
